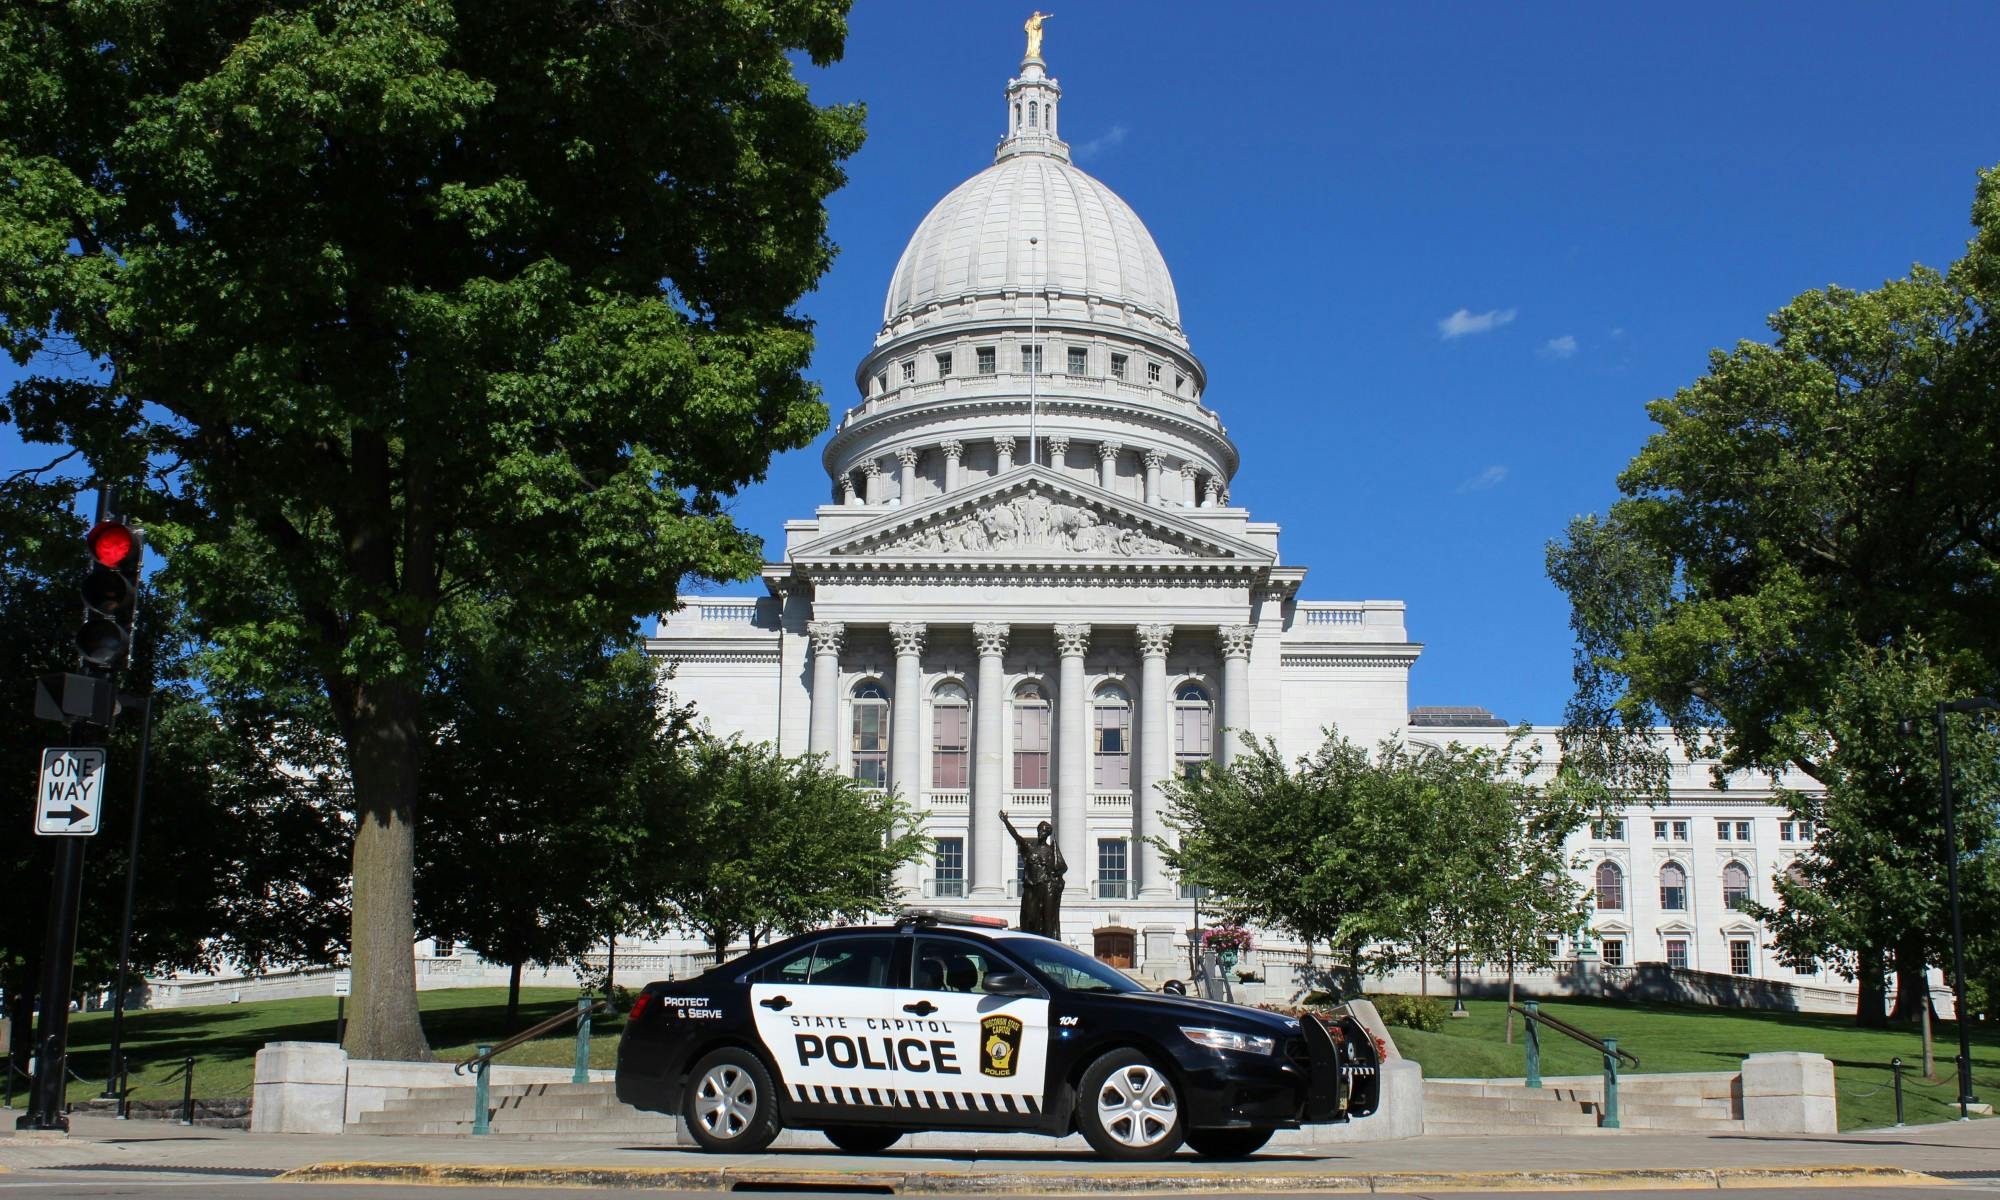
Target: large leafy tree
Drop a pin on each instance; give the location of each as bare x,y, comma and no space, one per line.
767,844
1803,505
408,301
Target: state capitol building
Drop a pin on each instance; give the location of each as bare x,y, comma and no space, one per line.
1029,592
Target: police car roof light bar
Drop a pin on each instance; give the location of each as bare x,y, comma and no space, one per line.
940,916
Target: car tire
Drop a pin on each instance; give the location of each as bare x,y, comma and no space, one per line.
863,1139
1227,1143
1128,1108
730,1103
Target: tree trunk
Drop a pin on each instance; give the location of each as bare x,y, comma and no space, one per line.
1871,979
610,965
1510,996
1912,979
384,747
1930,1048
513,994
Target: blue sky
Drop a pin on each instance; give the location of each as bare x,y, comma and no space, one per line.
1436,258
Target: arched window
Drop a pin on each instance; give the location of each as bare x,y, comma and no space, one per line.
1735,885
1673,888
1111,739
870,745
1031,738
1194,729
1017,116
951,737
1610,887
1033,114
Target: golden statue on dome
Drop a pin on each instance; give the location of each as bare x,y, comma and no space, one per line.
1034,30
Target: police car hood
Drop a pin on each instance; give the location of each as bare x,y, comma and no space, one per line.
1192,1008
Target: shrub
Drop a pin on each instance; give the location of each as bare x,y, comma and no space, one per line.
1411,1012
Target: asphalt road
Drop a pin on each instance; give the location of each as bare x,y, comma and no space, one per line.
184,1185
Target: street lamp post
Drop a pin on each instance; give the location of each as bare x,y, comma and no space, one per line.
1974,704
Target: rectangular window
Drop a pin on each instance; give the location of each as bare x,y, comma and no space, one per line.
1742,831
988,360
1152,372
871,743
444,947
1190,891
1614,952
1784,831
944,365
1680,831
910,370
1180,382
1031,747
1031,360
1739,957
1659,831
881,382
1673,896
1554,947
1077,359
951,747
1608,831
1722,831
1118,366
1111,868
1193,747
950,879
1112,761
1677,953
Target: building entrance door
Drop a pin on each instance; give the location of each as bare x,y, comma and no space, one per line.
1113,946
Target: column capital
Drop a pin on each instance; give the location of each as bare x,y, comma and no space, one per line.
1004,444
1058,446
991,637
1213,490
871,468
1072,640
1110,449
1155,460
907,456
908,636
846,485
1154,640
826,636
1235,640
952,447
1189,471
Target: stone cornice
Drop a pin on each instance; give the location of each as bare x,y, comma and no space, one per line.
1184,573
885,427
1396,657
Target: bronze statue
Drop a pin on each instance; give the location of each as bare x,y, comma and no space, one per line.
1034,28
1041,891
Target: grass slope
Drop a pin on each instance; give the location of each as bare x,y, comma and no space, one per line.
223,1039
1669,1038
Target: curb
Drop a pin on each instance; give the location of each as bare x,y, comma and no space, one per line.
990,1183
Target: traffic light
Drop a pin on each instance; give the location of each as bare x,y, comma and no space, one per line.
110,594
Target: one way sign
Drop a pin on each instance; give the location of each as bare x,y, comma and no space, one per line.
71,793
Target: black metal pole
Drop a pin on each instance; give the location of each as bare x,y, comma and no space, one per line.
46,1093
1896,1070
1957,927
131,892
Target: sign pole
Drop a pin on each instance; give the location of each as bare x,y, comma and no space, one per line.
131,892
45,1099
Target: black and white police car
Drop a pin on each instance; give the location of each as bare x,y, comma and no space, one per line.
950,1022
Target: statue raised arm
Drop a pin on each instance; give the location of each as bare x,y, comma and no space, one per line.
1034,28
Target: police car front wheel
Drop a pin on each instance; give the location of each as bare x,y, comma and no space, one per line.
730,1103
1127,1107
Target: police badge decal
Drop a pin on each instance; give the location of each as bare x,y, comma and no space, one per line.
999,1046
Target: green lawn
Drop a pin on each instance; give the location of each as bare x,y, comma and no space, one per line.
224,1038
1673,1038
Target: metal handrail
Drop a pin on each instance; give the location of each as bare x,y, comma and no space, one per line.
1574,1034
527,1035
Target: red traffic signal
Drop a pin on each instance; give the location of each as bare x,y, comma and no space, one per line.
110,591
111,543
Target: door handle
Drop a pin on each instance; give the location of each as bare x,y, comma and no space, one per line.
922,1008
776,1003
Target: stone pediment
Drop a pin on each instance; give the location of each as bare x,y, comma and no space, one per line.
1033,514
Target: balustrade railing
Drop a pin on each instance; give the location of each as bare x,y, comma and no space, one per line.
1032,802
949,801
1111,801
725,613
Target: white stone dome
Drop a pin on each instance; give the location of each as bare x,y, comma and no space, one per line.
975,243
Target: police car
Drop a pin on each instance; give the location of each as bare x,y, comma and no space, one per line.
950,1022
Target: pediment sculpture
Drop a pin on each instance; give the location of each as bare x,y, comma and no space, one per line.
1032,522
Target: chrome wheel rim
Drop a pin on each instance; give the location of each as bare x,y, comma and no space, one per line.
1136,1106
725,1100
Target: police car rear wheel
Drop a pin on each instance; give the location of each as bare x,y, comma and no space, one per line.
1127,1108
731,1104
863,1139
1227,1143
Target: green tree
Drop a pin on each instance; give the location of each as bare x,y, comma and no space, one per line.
540,799
773,845
1801,506
409,302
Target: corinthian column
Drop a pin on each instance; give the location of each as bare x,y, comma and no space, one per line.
825,720
953,451
1155,757
1107,463
1154,462
1003,454
986,849
907,481
905,733
1072,756
1234,641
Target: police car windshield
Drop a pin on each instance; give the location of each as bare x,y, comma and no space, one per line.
1068,969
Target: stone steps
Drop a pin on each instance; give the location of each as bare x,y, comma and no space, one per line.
569,1111
1463,1107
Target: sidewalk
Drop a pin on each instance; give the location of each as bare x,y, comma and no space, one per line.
993,1165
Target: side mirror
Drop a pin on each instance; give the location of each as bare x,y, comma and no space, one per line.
1174,987
1009,983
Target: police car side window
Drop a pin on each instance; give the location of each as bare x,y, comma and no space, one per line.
949,965
854,962
793,968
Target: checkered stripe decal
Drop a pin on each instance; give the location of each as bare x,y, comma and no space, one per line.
917,1098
